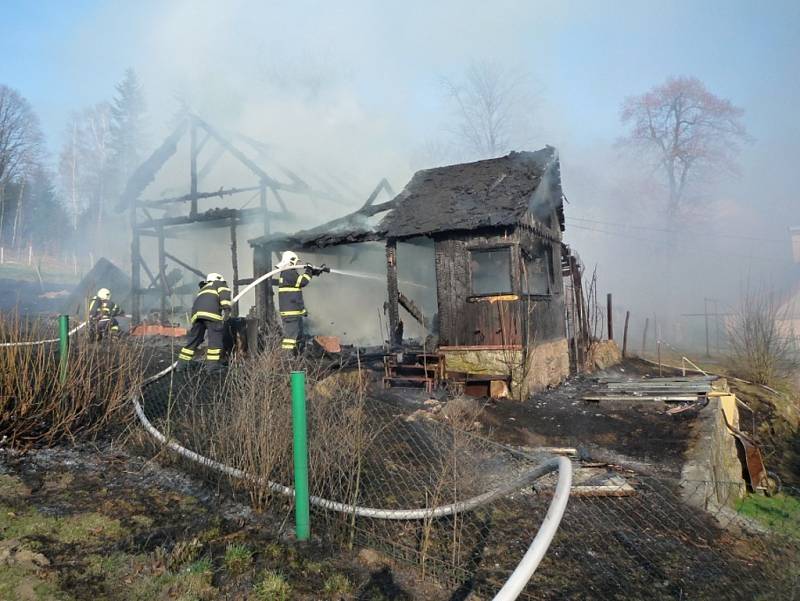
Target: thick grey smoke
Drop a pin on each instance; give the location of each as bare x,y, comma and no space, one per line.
351,92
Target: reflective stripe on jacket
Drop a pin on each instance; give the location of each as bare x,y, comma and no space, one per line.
290,295
210,301
99,308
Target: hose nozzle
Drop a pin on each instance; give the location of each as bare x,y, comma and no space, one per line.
317,270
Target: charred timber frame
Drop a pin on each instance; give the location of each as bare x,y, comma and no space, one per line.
230,218
265,304
393,291
235,266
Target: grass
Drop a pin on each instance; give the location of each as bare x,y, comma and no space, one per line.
272,587
238,559
780,513
337,585
17,582
12,487
70,529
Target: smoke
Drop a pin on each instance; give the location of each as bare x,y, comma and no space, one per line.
345,94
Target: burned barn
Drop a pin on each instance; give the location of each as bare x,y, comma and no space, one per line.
496,232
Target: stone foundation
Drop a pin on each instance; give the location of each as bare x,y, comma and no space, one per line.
603,354
547,365
712,474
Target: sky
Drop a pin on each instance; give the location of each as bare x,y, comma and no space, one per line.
360,84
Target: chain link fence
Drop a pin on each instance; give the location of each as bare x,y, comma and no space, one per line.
625,535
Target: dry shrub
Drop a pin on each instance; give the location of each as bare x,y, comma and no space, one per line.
245,422
37,408
761,349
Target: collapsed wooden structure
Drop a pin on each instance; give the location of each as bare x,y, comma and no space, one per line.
496,227
162,218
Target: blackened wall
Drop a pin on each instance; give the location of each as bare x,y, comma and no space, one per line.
466,320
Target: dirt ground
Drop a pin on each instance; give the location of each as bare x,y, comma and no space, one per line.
96,522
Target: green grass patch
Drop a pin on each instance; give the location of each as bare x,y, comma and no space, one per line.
337,585
238,559
17,582
780,513
272,586
71,529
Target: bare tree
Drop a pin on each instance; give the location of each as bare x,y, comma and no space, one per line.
763,348
687,132
492,109
20,144
85,163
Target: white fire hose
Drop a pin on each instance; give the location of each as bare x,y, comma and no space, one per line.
521,574
35,342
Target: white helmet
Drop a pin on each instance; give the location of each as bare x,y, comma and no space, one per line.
215,277
288,259
104,294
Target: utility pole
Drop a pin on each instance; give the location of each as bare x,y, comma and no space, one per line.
706,315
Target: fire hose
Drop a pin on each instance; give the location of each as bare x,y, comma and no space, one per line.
35,342
521,574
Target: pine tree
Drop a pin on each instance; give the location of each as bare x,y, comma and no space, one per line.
127,128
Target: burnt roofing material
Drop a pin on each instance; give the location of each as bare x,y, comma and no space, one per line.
491,193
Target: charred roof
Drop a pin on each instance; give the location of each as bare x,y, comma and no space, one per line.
519,188
490,193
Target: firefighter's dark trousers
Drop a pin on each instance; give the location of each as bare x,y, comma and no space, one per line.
292,332
99,328
195,339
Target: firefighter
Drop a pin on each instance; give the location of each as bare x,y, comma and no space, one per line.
102,315
290,298
211,308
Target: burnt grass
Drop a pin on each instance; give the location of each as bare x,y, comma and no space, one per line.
113,525
154,527
641,431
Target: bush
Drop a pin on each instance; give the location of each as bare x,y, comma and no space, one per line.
247,423
762,349
37,408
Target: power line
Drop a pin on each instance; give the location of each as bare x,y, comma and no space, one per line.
670,231
663,242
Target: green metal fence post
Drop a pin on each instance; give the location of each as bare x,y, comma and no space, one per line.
300,437
63,346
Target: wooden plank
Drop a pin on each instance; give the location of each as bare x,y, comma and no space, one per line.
222,141
413,310
190,197
213,218
629,397
184,265
482,347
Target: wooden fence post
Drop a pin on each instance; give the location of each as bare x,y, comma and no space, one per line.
644,335
625,334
